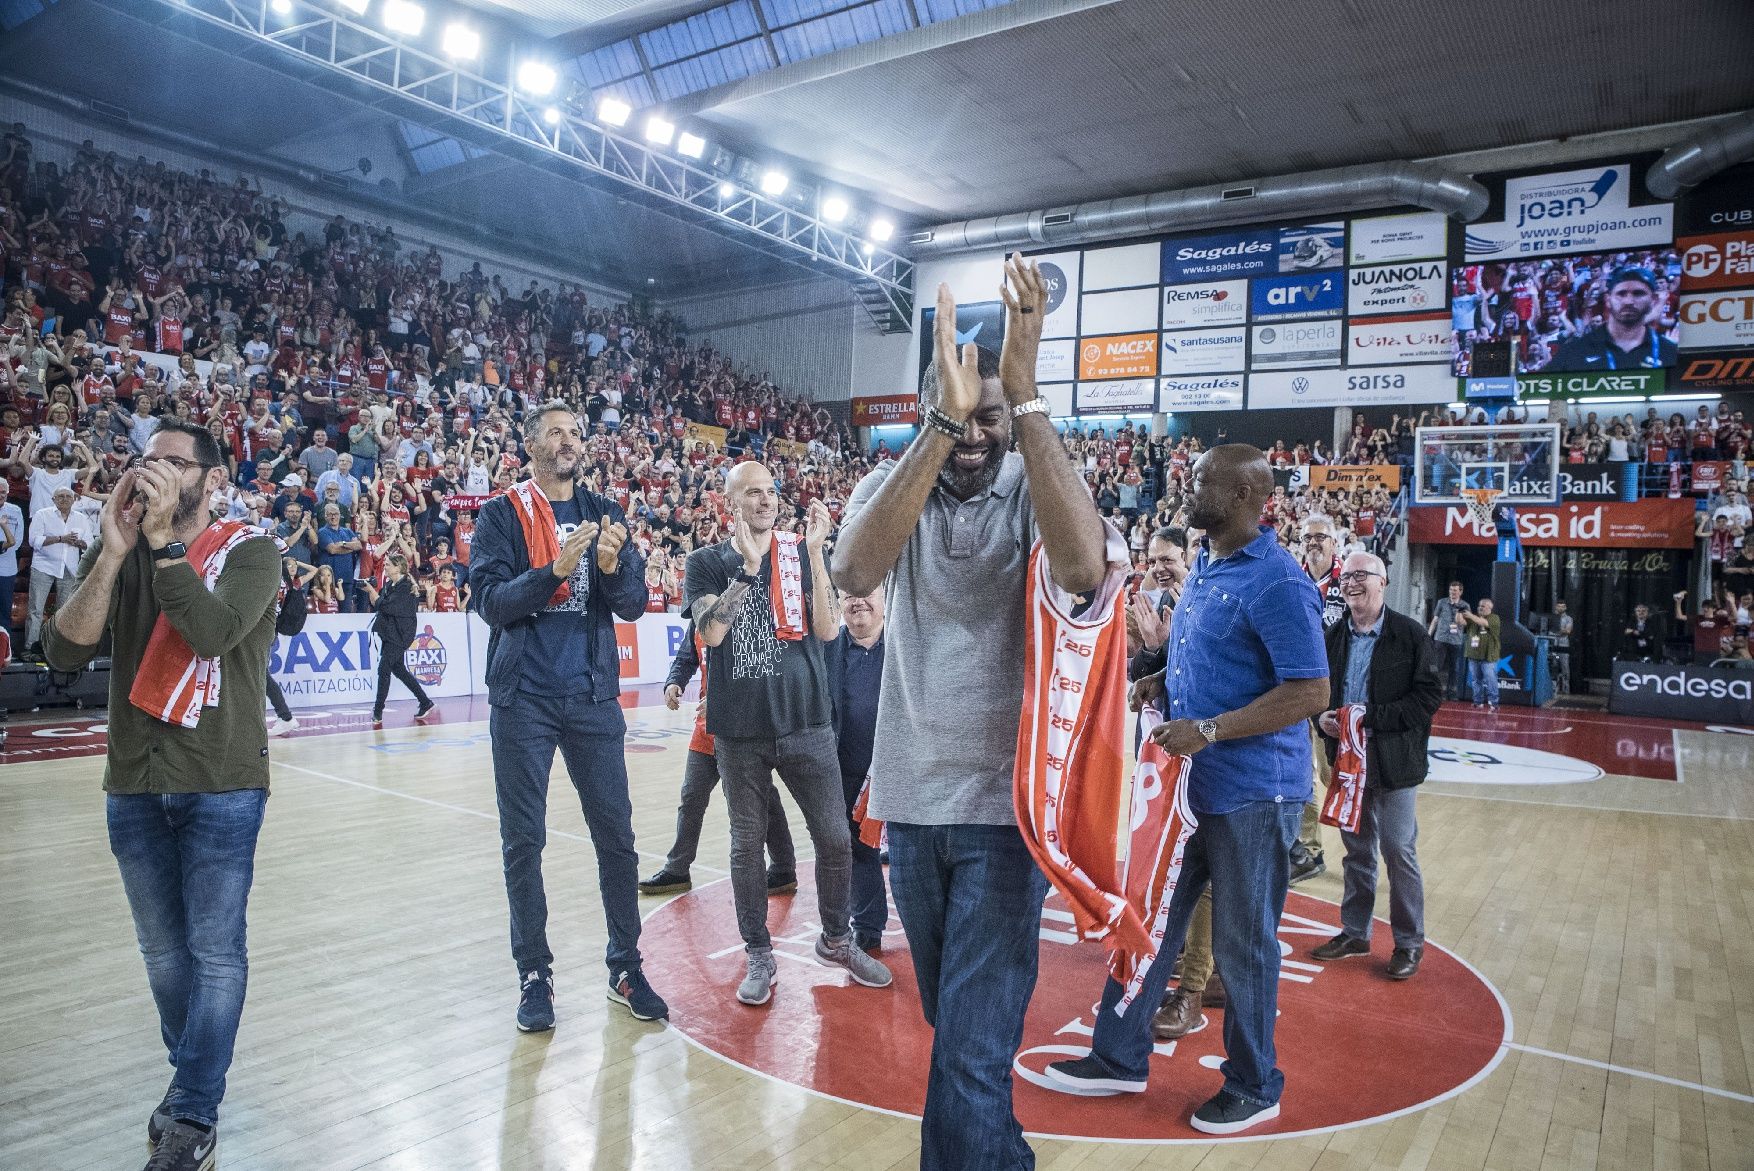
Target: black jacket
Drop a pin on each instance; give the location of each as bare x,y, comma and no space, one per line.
396,608
508,594
1404,691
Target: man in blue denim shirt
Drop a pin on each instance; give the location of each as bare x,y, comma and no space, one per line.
1246,669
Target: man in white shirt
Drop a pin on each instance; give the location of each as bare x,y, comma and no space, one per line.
59,536
44,467
11,534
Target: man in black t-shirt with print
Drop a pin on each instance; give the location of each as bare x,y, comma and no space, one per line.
764,601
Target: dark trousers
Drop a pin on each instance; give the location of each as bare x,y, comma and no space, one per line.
870,907
187,861
8,590
277,697
393,661
699,778
590,737
970,897
1452,667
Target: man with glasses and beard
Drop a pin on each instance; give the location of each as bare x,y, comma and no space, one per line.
189,606
1627,339
1321,561
949,528
551,569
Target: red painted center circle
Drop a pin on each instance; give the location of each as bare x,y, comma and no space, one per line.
1355,1046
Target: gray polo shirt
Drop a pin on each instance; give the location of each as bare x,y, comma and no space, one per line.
953,665
1449,622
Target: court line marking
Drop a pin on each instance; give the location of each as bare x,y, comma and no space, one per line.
493,817
1612,1068
1680,769
1584,808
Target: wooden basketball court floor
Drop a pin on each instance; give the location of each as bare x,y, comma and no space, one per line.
1615,918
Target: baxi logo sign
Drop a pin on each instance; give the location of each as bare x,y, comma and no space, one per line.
1571,211
426,658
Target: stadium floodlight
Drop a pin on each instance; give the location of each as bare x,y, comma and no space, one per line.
775,182
357,7
404,16
690,146
282,7
868,248
536,77
834,209
660,130
726,190
614,111
881,230
551,115
461,41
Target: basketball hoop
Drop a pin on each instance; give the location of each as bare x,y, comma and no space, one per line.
1481,502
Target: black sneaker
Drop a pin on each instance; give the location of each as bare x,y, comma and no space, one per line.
1341,946
1225,1113
665,882
629,987
536,1003
1090,1077
424,710
782,882
157,1124
185,1147
1305,865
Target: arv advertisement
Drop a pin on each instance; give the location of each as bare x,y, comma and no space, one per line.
1586,209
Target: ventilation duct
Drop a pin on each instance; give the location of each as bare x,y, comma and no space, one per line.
1343,189
1690,163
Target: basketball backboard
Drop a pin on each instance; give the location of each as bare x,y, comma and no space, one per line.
1519,460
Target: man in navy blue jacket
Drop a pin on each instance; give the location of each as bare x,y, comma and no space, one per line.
553,675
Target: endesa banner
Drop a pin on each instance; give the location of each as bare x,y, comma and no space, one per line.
1721,261
1666,691
1583,210
1718,319
1396,288
885,410
1350,477
1126,355
1637,524
334,659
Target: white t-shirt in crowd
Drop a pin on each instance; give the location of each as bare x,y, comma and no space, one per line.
43,485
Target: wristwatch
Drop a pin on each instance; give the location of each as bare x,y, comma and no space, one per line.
1209,729
171,552
1039,404
747,578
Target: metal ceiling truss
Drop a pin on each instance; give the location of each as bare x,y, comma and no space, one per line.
496,114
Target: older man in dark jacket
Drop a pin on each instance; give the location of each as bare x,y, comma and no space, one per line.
1386,662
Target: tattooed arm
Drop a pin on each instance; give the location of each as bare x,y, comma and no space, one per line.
713,615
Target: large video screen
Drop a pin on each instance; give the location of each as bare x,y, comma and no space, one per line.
1593,313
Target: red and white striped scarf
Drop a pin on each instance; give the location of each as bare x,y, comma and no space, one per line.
1345,802
786,587
1071,750
172,684
1161,824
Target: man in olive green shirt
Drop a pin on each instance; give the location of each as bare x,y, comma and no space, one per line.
184,804
1480,647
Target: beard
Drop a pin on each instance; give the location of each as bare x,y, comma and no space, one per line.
964,483
191,505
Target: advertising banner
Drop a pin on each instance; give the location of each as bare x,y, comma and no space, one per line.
1126,311
1125,267
1588,209
982,323
1312,246
1109,398
1314,295
1061,271
646,648
1622,383
1666,691
461,502
1389,385
1059,396
1057,360
1295,343
1385,239
1396,341
1721,203
1396,288
1222,256
1714,369
1200,306
1132,355
1710,320
883,410
705,433
1617,481
1707,475
1637,524
1350,477
334,659
1724,260
1212,392
1204,351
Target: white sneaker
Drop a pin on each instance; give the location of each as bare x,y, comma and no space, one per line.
277,727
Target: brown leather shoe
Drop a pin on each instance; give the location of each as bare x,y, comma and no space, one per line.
1212,996
1341,946
1405,962
1179,1016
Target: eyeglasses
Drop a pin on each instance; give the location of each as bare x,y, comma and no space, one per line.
1359,575
1317,538
177,462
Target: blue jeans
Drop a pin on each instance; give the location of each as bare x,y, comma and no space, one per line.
970,900
870,908
1245,856
591,738
1483,677
187,860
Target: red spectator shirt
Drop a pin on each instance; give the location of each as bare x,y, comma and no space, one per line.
463,538
118,324
444,599
169,332
657,601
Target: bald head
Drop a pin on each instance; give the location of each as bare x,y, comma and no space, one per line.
1231,484
749,490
